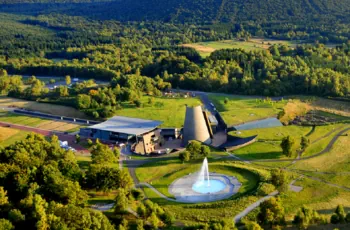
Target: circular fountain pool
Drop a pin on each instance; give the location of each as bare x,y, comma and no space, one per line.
212,187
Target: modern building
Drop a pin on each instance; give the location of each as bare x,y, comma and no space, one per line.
143,135
197,126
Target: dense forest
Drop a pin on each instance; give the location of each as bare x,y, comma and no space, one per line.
111,50
136,47
319,19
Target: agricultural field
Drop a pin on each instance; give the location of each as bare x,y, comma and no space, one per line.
9,136
36,122
171,111
240,109
41,107
206,48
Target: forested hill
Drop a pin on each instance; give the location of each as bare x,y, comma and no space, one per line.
194,11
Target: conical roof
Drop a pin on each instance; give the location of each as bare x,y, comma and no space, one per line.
195,127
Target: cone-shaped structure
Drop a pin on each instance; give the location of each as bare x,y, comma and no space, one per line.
195,127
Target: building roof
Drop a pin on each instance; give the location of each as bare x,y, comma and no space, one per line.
127,125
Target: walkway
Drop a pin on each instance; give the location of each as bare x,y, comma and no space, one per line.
327,149
253,206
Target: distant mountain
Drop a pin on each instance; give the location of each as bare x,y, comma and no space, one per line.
197,11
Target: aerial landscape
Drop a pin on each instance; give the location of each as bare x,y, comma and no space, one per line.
186,114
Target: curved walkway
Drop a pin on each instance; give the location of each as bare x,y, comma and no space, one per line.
156,191
253,206
325,150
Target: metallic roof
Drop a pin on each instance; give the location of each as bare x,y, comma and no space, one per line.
127,125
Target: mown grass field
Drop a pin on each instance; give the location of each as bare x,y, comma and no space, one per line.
240,109
161,173
41,107
9,136
171,111
316,195
36,122
206,48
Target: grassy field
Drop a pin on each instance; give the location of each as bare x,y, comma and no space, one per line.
316,195
171,111
41,107
241,109
37,122
337,160
162,172
206,48
9,136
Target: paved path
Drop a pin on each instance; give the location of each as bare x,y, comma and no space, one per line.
156,191
253,206
327,149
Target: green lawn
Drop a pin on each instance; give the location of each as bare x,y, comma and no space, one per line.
10,136
161,173
20,119
316,195
171,111
240,109
269,140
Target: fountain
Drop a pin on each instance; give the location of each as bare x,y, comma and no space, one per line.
203,186
206,185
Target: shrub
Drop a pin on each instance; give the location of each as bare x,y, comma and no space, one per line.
265,189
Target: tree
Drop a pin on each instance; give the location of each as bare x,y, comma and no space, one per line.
138,103
3,197
168,218
77,138
63,91
68,80
102,177
271,212
339,215
251,225
151,100
15,216
154,221
121,201
139,225
226,100
304,143
306,216
101,153
287,146
184,156
279,179
116,152
347,218
90,143
205,150
83,101
5,225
